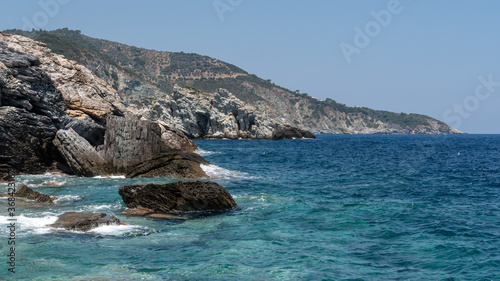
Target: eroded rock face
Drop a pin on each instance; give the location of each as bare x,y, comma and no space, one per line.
84,221
175,139
130,141
54,111
82,158
36,89
132,147
211,115
25,141
136,148
82,91
178,197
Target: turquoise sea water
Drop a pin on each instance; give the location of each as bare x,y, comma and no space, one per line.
337,208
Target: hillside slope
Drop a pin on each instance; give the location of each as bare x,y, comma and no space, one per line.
138,74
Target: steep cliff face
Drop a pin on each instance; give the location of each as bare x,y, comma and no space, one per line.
213,115
43,95
139,73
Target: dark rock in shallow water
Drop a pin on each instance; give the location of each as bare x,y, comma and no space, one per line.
28,193
289,132
84,221
178,197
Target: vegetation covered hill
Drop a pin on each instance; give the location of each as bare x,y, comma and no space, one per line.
138,74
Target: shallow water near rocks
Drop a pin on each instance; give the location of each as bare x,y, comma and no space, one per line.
336,208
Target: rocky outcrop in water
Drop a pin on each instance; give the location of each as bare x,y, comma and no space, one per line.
177,197
288,132
214,115
30,196
28,193
84,221
132,147
138,148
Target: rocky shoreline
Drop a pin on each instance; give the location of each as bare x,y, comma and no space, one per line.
57,116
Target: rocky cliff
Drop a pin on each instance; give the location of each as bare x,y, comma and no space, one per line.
140,74
214,115
54,116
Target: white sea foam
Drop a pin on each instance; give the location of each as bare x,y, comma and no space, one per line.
100,208
67,199
110,177
31,224
120,230
202,152
217,172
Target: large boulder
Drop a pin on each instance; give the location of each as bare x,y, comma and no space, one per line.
283,131
181,165
28,193
178,197
82,158
131,147
130,141
175,139
136,148
84,221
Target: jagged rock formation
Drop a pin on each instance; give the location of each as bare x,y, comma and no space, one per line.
283,131
28,193
216,115
80,155
84,221
53,112
177,197
137,148
132,147
147,74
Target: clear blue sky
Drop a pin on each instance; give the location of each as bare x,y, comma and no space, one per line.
427,58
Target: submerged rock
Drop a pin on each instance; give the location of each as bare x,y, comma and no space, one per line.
177,197
148,213
84,221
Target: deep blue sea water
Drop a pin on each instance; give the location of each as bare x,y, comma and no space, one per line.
342,207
